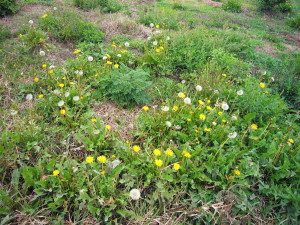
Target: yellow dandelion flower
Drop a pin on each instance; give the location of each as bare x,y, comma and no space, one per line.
94,120
50,71
145,108
71,83
181,95
169,152
158,162
224,75
44,16
207,130
77,51
61,85
291,141
109,62
62,112
224,121
253,126
157,26
136,148
102,172
107,127
208,108
44,66
55,173
262,85
208,101
189,119
176,166
157,50
40,96
116,66
36,79
220,113
89,159
102,159
202,117
237,172
157,152
200,102
186,154
175,108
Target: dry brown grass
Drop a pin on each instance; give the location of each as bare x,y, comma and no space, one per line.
118,23
121,120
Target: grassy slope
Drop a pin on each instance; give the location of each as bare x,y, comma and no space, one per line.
268,48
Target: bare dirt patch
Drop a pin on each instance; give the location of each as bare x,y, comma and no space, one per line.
268,49
28,12
119,23
121,120
294,38
60,52
212,3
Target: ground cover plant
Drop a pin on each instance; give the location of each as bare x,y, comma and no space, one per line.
192,117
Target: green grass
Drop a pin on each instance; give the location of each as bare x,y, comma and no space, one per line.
202,115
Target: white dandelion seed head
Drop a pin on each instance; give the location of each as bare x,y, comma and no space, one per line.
199,88
216,91
60,103
42,53
13,112
240,92
168,38
29,97
149,38
232,135
56,91
115,163
177,127
183,81
214,123
30,22
154,43
51,67
234,117
205,208
54,8
90,58
272,79
165,108
168,124
75,169
96,132
126,44
224,106
104,57
151,25
80,72
119,55
67,94
76,98
135,194
187,101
